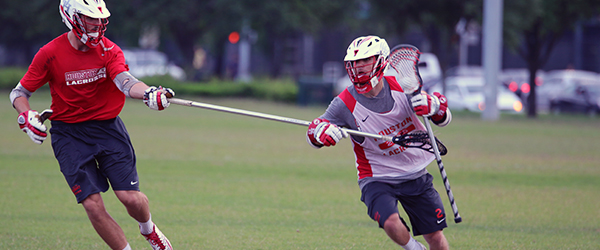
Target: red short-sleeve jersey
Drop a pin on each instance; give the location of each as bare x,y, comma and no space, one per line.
81,83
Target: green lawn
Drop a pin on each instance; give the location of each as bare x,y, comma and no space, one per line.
222,181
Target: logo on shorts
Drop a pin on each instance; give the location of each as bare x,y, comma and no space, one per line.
440,215
377,216
134,182
76,189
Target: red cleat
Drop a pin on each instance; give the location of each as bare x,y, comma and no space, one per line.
158,240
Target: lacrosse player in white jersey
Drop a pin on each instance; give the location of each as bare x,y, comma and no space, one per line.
387,173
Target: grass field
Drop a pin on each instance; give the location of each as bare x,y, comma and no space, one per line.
222,181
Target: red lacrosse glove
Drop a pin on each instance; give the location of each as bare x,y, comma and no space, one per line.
322,133
156,98
29,122
440,115
425,105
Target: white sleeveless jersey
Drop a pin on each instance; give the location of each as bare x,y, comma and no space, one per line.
378,158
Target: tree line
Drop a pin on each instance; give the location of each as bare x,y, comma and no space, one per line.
531,27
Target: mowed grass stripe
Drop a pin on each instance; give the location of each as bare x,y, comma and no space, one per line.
222,181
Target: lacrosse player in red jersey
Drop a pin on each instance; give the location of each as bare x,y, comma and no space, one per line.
89,82
387,172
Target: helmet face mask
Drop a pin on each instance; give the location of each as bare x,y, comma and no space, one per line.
89,30
86,18
366,61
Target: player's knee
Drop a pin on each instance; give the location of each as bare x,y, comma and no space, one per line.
435,238
132,199
93,204
393,222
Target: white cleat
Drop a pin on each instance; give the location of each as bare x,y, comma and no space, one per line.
158,240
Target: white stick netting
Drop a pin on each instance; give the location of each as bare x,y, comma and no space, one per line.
404,59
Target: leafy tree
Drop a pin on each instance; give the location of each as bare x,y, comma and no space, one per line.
435,18
190,23
532,28
184,22
27,24
276,21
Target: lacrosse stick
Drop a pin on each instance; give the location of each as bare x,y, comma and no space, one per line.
45,115
414,139
404,59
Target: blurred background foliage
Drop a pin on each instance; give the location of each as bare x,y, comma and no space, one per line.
278,30
185,25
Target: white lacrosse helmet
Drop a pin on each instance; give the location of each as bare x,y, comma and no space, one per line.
362,48
71,12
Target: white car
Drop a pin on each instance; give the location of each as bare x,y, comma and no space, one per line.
147,62
556,81
430,70
466,93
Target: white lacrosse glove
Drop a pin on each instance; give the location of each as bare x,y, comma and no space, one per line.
156,98
29,122
322,133
425,105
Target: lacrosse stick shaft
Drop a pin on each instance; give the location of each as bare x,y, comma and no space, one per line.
45,115
404,59
438,158
268,117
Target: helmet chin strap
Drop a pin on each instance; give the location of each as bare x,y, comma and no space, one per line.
84,38
364,88
375,81
88,39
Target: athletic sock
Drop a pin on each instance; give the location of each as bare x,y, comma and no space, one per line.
147,227
412,245
128,247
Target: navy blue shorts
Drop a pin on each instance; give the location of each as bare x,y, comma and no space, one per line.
419,199
93,154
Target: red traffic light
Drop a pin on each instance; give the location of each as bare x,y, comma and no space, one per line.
234,37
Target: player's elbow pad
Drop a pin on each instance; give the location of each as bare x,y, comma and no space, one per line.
125,81
19,91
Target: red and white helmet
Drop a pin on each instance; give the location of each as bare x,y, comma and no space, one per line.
71,12
362,48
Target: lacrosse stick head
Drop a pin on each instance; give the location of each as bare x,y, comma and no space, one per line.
366,61
404,58
419,139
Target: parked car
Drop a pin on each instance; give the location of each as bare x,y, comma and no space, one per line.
578,98
466,70
557,81
430,70
466,93
147,62
517,81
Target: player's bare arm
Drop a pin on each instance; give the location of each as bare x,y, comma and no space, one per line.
155,98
